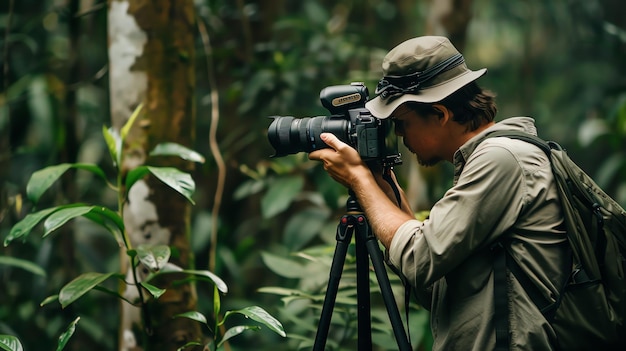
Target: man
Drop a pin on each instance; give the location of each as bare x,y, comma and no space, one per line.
503,192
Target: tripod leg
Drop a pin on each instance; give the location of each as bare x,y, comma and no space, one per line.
385,289
344,236
364,312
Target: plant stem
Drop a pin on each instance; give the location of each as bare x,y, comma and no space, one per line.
145,313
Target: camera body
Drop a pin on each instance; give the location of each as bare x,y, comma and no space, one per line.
350,122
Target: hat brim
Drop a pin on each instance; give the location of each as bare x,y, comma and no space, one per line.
381,109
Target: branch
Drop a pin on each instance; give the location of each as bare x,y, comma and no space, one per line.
215,151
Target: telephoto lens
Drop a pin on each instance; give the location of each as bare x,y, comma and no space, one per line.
289,135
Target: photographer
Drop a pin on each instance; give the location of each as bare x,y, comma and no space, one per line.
503,193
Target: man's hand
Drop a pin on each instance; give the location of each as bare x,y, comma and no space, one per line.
345,165
342,162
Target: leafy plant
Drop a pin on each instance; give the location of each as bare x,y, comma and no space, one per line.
154,257
12,343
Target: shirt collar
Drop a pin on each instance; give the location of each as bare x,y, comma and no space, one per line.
525,124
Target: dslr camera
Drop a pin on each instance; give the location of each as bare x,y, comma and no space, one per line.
349,121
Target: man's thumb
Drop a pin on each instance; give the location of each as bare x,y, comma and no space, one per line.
329,139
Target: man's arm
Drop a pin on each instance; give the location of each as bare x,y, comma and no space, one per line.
344,164
387,183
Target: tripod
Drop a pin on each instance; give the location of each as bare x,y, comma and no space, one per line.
366,243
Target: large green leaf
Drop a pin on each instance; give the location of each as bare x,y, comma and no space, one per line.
175,179
24,264
304,226
108,219
81,285
219,283
248,188
42,179
174,149
284,267
98,214
172,177
258,314
10,343
194,315
62,216
280,195
171,268
65,337
26,225
154,257
136,174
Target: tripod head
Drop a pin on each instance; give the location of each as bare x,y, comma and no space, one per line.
352,204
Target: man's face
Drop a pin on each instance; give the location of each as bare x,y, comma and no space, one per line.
420,134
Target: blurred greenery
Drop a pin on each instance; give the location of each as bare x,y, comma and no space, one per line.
559,61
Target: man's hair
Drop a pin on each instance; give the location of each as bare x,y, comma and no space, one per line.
471,106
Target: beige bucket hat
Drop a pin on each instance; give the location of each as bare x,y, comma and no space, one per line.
423,69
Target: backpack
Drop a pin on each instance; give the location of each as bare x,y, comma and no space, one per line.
590,312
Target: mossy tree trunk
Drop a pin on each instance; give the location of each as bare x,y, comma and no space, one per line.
151,52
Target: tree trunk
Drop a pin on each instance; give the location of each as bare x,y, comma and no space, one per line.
151,52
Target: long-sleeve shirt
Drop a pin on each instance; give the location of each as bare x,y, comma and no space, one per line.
504,190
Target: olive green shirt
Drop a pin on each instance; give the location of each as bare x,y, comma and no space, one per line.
504,189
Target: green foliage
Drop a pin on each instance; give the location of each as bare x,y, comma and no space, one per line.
255,313
155,258
23,264
302,303
65,337
11,343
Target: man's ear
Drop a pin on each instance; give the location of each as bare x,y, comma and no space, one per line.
444,114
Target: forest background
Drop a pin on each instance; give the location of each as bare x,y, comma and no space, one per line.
266,225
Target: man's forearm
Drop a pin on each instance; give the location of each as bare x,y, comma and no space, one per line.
384,216
387,187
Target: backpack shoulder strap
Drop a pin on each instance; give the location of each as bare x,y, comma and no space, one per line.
502,261
545,146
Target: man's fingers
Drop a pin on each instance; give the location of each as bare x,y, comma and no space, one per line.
334,145
331,140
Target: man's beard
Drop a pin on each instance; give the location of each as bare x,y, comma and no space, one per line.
427,162
421,161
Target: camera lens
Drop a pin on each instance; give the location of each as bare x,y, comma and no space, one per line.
289,135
